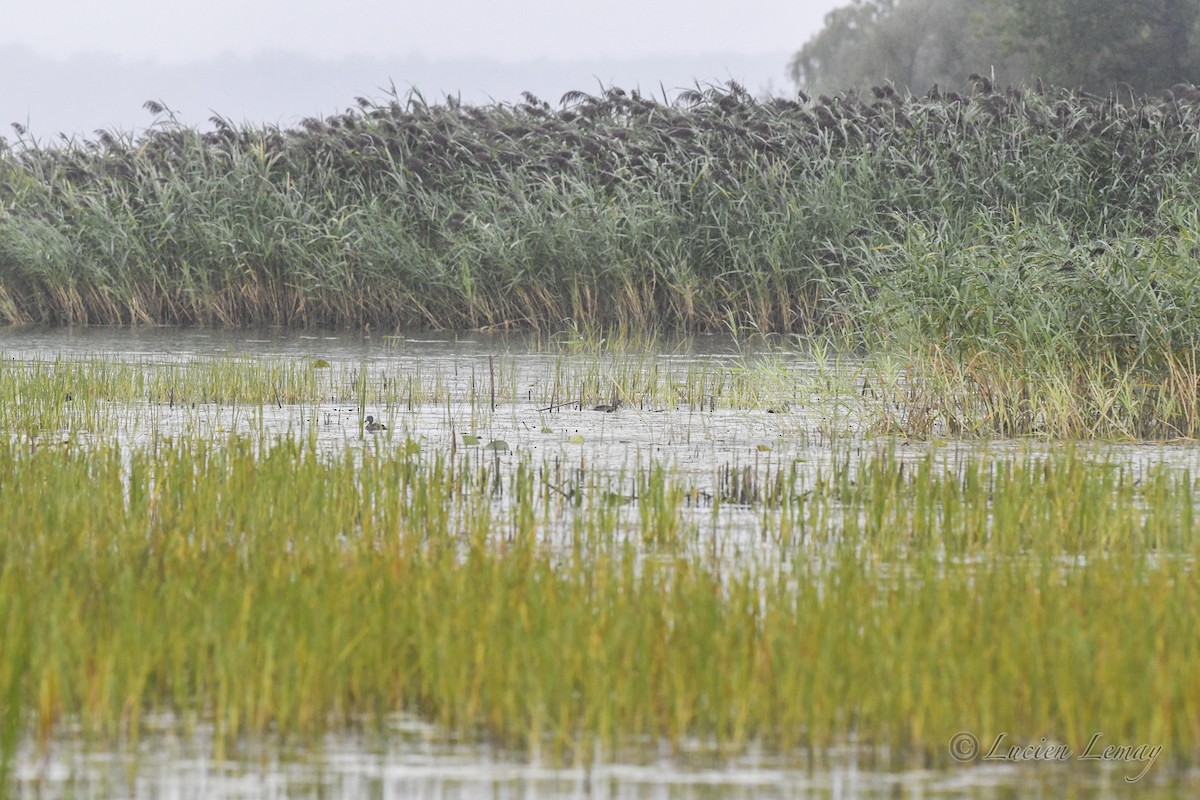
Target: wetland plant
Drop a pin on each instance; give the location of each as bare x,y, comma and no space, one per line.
276,591
1029,252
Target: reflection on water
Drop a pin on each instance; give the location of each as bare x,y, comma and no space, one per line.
183,343
138,344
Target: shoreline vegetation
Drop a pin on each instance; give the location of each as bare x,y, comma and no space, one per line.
1030,253
612,210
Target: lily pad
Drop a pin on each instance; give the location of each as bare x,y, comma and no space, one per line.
575,438
497,444
320,363
470,439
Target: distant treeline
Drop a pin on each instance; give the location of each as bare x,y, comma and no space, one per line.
712,210
1096,45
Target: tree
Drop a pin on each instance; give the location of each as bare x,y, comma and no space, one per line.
1097,45
912,44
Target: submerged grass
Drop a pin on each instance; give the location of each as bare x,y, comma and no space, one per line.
95,393
285,593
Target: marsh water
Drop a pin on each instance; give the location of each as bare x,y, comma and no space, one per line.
414,763
796,420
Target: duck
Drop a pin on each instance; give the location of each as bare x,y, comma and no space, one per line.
608,408
372,426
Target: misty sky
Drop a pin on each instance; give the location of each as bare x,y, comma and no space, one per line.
77,66
509,30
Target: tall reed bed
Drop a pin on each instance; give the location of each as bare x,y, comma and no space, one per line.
1024,329
708,211
1027,256
282,593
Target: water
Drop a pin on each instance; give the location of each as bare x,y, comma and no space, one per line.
414,762
686,435
678,428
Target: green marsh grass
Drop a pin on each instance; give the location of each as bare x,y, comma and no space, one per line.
1024,331
275,591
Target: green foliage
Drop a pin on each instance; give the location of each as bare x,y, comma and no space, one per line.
1029,246
1097,45
911,45
1026,331
614,210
